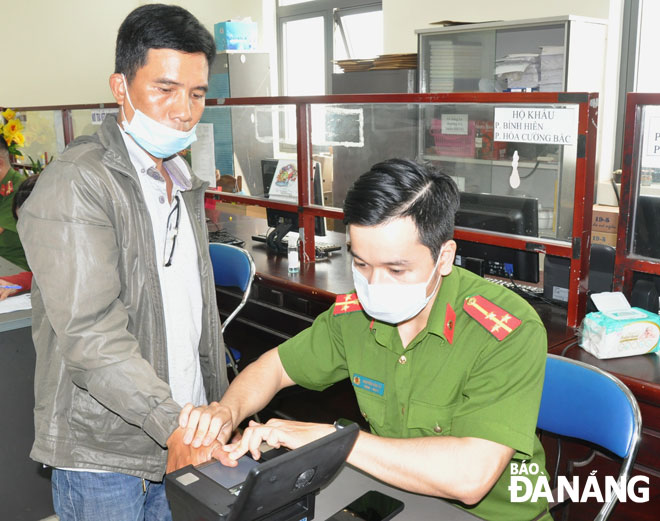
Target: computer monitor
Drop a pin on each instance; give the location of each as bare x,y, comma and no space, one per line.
282,221
504,214
646,237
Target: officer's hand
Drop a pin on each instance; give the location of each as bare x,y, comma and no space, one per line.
205,424
179,454
276,433
6,292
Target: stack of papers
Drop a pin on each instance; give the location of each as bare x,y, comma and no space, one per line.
382,62
355,65
518,71
454,67
395,61
17,303
552,68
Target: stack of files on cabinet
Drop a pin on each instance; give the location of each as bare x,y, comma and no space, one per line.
454,67
518,71
552,68
395,61
382,62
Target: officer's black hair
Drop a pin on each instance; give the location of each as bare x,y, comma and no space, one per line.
159,26
403,188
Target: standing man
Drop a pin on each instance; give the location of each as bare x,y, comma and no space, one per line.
447,367
10,180
125,322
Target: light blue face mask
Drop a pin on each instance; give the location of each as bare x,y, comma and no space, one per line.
157,139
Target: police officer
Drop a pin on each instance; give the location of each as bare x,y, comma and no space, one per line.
447,367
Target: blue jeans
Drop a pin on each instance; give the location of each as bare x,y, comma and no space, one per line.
92,496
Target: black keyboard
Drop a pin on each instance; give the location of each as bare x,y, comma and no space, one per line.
518,287
322,249
225,237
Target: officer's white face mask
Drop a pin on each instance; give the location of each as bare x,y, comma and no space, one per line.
159,140
393,303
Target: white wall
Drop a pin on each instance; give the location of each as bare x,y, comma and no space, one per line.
401,17
66,49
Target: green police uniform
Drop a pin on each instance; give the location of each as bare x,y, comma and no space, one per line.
475,370
10,245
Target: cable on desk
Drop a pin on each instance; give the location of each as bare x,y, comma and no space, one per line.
565,350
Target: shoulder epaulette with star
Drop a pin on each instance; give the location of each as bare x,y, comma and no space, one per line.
347,304
494,319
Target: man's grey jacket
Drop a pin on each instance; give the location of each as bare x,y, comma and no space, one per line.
102,400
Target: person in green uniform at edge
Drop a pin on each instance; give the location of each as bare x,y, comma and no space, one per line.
10,180
447,367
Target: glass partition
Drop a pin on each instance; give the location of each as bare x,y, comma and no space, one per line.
645,239
524,164
87,121
247,142
638,233
529,162
44,134
348,139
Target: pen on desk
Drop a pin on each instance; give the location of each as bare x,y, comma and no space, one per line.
11,286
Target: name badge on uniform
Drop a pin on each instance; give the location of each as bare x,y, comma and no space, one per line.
368,384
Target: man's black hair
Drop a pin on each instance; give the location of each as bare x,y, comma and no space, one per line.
4,149
22,193
403,188
159,26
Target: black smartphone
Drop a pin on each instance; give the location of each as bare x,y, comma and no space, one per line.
371,506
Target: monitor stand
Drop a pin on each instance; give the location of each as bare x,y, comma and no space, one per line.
275,238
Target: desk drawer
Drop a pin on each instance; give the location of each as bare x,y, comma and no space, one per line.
289,301
267,315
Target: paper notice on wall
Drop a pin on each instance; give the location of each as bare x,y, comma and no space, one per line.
455,124
98,115
203,153
543,125
651,138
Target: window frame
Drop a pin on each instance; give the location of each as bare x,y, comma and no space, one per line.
313,9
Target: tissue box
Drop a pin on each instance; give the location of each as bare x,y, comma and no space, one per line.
239,36
607,337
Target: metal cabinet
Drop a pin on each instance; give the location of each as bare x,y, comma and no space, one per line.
558,54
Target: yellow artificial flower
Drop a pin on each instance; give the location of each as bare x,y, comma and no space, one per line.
12,127
15,124
19,139
8,114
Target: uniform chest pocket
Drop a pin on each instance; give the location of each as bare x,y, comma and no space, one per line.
426,419
372,407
